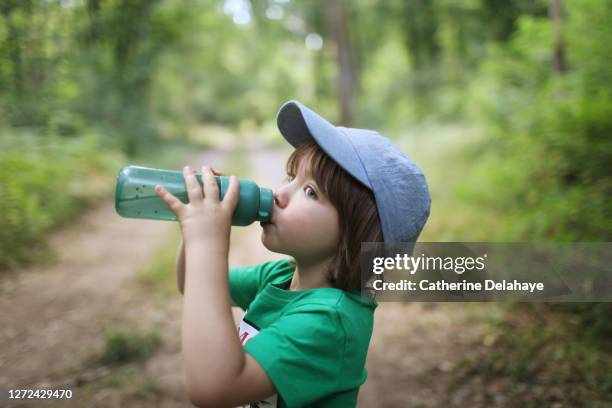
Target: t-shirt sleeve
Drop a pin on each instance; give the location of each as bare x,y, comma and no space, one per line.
246,281
302,354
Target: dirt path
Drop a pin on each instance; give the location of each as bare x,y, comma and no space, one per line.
416,354
51,318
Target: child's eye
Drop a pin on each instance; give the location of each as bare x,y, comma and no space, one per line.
310,192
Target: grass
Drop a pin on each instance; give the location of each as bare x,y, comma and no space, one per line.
123,346
121,385
158,275
117,370
539,356
147,388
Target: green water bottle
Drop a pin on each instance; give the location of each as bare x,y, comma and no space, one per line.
135,196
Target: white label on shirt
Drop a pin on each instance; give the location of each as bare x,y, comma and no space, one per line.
247,331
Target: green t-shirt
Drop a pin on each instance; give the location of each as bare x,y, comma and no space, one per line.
311,343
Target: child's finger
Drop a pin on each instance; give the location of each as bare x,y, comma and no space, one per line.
173,203
211,189
194,190
230,199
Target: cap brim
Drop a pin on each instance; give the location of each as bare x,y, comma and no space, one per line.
298,124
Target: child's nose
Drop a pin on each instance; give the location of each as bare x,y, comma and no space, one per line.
280,199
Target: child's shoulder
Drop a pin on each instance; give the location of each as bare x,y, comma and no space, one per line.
349,318
344,304
276,272
280,272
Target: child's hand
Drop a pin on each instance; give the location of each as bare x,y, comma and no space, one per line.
205,218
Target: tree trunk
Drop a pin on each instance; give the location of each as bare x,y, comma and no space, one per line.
93,11
555,14
335,11
14,52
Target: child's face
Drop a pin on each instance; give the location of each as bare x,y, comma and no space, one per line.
304,223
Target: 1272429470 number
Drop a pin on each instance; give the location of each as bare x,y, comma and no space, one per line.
39,393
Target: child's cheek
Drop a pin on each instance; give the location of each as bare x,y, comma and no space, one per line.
298,224
314,230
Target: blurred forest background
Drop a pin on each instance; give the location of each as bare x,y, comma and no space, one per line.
506,104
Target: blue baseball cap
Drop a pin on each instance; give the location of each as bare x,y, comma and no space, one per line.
399,185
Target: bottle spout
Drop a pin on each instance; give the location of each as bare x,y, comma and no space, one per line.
266,203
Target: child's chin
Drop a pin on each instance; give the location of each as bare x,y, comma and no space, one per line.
270,246
265,240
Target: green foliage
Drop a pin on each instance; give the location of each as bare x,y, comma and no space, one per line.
44,182
545,166
548,162
502,15
86,83
592,318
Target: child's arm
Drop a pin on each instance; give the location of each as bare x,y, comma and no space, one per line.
180,267
180,271
218,371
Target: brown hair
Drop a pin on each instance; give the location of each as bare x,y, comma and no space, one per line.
356,208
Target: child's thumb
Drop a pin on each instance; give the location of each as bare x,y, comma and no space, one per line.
233,193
